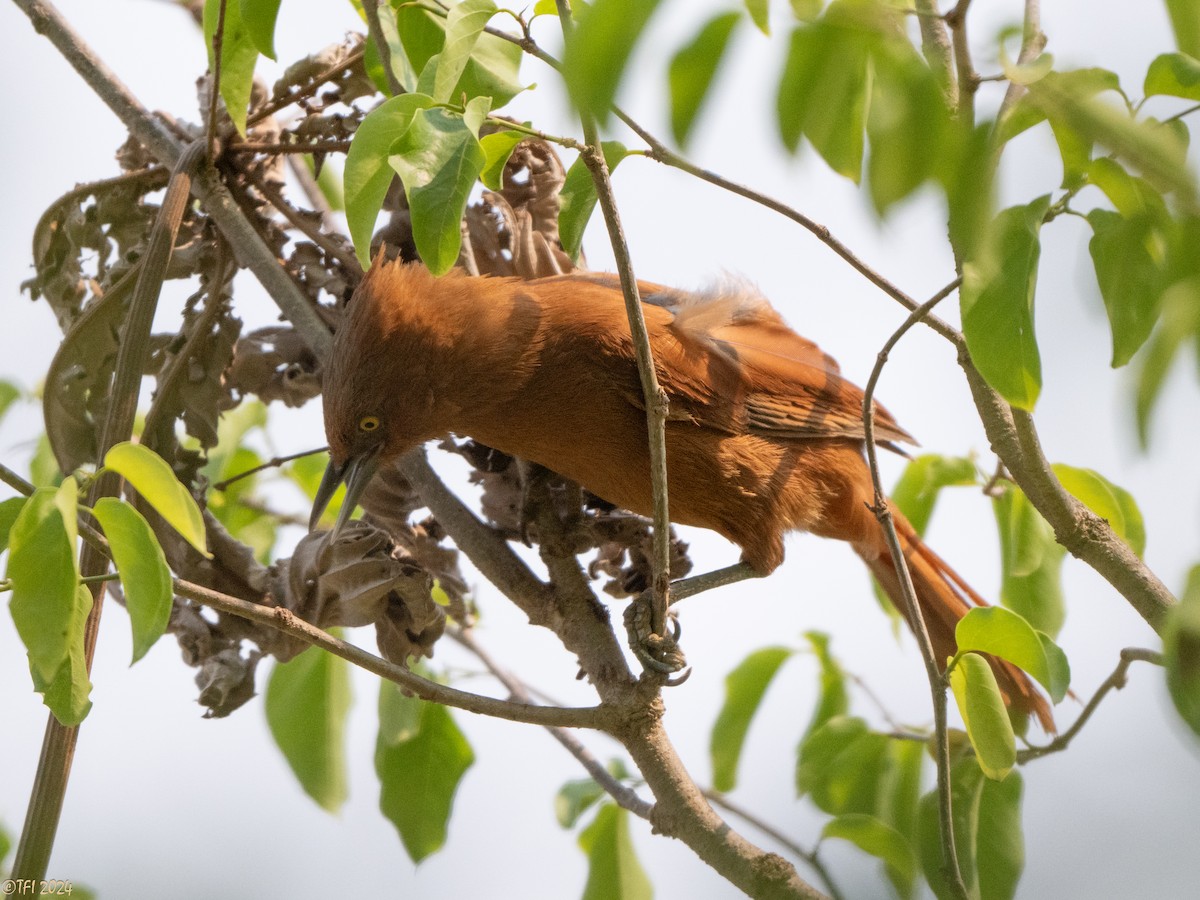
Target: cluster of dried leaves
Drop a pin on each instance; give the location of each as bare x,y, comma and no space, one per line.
387,570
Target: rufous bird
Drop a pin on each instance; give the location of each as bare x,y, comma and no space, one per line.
763,435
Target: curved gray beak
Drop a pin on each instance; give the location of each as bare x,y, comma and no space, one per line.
356,472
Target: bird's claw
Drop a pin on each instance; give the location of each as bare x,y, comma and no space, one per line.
656,652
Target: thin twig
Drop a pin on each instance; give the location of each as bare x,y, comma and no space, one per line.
937,685
967,77
370,9
310,230
1033,42
935,45
281,147
273,106
214,87
273,463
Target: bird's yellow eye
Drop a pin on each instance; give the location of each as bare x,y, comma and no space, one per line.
368,423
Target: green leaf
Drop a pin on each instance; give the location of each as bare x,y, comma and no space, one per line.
402,67
574,799
806,10
1003,633
881,841
1110,502
152,477
368,171
598,49
1079,83
497,148
983,712
419,772
997,304
239,53
259,18
744,690
1180,321
966,169
1031,562
1181,648
916,491
987,830
760,14
145,578
9,510
465,22
833,700
1173,74
1130,279
68,693
614,872
307,704
1185,20
438,159
823,93
577,198
844,767
43,572
692,69
9,393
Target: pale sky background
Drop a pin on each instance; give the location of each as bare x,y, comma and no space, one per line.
165,804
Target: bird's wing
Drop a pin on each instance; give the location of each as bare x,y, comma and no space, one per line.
728,361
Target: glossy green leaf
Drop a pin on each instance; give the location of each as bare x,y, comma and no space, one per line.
833,699
497,148
760,14
419,772
744,690
239,53
9,510
259,17
1003,633
1173,74
578,197
823,94
614,872
43,572
997,297
1031,562
465,22
368,171
438,159
1130,279
1181,648
307,705
983,712
151,477
1185,20
68,693
598,49
145,577
692,69
1179,322
880,840
1108,501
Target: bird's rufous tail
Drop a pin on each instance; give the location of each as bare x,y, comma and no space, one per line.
944,598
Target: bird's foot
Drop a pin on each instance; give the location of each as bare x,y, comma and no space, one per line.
658,653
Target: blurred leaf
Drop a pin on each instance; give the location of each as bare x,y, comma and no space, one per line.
844,767
1003,633
833,699
68,693
901,811
691,71
438,159
43,469
744,690
9,510
307,704
967,172
1110,502
150,475
1030,561
997,297
987,830
9,393
578,197
760,14
5,846
497,148
259,18
419,773
1130,279
1185,20
368,171
982,709
1181,647
881,841
807,10
614,872
823,92
465,22
1174,74
236,509
238,57
1179,321
916,492
598,49
42,569
145,578
574,799
232,429
1079,83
